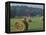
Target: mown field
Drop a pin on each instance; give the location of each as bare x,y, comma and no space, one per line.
36,24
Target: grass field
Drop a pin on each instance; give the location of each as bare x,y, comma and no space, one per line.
36,24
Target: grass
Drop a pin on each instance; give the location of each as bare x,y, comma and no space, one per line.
36,24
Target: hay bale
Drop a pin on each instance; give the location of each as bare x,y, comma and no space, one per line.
20,26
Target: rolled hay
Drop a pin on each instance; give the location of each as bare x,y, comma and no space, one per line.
19,26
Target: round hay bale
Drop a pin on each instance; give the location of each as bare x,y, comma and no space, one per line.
20,26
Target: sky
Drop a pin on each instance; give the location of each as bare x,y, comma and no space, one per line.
29,5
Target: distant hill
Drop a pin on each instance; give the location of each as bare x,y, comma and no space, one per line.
25,11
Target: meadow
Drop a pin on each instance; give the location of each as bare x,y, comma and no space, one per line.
36,24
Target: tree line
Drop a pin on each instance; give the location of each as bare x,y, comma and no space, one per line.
25,11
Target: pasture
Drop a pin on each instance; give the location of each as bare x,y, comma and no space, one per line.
36,24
